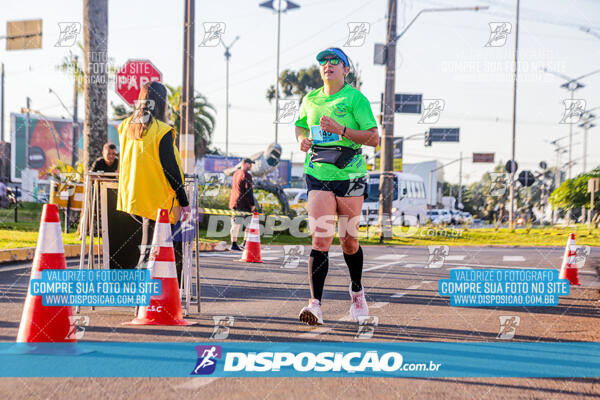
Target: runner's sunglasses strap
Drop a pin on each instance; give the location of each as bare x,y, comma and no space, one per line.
340,156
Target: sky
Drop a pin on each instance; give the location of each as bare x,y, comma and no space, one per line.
443,55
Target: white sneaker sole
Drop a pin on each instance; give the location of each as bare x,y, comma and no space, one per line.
309,318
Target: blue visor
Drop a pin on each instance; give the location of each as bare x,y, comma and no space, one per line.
332,51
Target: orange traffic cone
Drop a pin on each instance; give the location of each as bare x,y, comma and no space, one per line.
252,245
568,269
40,323
164,309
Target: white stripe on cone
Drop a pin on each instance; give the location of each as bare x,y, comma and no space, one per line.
162,235
50,239
163,269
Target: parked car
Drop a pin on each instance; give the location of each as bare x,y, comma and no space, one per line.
435,217
456,217
295,195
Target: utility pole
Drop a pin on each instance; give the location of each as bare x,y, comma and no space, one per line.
460,182
227,57
386,183
75,148
514,125
95,21
2,103
186,142
387,146
27,131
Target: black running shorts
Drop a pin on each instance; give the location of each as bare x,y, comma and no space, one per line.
349,188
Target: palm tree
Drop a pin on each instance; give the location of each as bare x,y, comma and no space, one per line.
95,21
303,81
204,120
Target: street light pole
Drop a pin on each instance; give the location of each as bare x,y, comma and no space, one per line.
277,75
514,125
289,5
227,58
571,85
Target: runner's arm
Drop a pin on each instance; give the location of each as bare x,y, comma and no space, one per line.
368,137
301,133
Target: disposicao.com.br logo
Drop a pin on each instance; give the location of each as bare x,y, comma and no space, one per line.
365,362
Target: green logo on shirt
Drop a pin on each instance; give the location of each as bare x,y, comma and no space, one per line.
340,109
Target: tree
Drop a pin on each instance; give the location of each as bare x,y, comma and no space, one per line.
299,83
204,120
95,21
572,194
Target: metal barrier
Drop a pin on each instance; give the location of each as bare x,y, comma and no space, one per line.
98,255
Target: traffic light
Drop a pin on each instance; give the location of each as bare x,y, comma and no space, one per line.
427,139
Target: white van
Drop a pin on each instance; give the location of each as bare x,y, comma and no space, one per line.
409,206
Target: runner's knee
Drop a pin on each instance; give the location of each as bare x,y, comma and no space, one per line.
321,243
349,244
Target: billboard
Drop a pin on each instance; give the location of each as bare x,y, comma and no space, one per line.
50,140
280,175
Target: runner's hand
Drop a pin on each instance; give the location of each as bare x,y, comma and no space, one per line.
186,212
328,124
305,144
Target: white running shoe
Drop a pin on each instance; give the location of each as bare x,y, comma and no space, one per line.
311,314
358,308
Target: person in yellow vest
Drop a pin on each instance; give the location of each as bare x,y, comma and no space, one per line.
150,174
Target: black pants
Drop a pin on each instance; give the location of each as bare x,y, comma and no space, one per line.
136,254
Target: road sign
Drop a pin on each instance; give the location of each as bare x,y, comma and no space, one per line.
444,134
398,152
483,157
511,166
592,185
132,76
22,35
526,178
408,103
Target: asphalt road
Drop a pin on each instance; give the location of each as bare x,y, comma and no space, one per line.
260,302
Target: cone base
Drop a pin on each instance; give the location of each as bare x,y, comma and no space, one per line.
572,275
148,321
48,348
251,261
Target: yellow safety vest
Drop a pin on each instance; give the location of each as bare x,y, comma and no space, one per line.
143,187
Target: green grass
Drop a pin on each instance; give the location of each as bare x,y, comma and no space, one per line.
426,236
24,234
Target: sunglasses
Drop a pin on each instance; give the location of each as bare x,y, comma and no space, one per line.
332,61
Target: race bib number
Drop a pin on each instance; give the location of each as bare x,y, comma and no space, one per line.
320,136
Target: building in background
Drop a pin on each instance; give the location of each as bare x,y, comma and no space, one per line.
422,169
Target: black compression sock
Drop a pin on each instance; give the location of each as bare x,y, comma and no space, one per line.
355,266
318,265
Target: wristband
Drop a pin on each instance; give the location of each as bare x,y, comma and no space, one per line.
344,132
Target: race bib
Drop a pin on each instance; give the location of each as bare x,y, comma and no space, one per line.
320,136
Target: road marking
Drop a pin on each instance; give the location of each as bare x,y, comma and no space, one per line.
270,258
390,257
381,266
513,258
379,304
195,383
271,251
324,329
6,269
455,258
335,254
411,287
